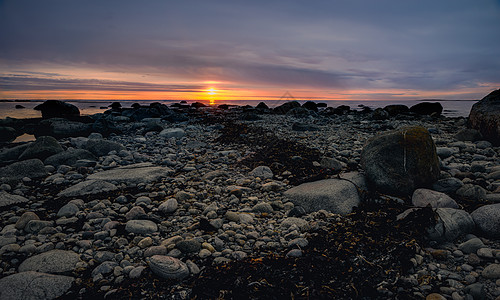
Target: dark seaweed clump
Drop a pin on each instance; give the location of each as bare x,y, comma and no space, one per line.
358,257
277,153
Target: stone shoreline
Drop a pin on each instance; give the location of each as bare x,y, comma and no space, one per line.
170,198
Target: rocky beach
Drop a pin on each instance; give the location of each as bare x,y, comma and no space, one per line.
240,202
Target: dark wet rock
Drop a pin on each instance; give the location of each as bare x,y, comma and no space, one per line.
468,134
331,163
471,246
101,147
310,106
69,157
447,185
341,110
34,285
285,107
471,192
198,105
88,187
18,106
396,109
115,105
105,127
337,196
62,128
31,168
485,117
262,106
53,262
427,108
380,114
25,218
424,197
57,109
7,134
487,219
250,116
12,154
154,110
189,245
136,173
7,199
398,162
43,147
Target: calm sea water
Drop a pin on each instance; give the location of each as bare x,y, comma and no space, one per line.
451,108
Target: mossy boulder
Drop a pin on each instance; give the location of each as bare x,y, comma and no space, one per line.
400,161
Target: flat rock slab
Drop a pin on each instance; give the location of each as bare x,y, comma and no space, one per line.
34,285
337,196
53,262
136,173
7,199
89,187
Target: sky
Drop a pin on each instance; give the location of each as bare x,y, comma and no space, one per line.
215,50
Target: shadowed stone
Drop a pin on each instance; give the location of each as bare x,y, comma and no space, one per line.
34,285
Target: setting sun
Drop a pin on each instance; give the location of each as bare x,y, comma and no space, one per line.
211,91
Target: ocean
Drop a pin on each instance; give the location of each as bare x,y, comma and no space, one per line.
451,108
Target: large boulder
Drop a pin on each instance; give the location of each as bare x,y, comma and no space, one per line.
285,107
69,157
400,161
427,108
396,109
62,128
34,285
337,196
31,168
43,147
487,219
485,117
7,134
57,109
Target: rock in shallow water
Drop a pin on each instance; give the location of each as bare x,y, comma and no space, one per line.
168,267
400,161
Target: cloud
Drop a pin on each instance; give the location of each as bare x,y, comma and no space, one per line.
424,45
19,82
